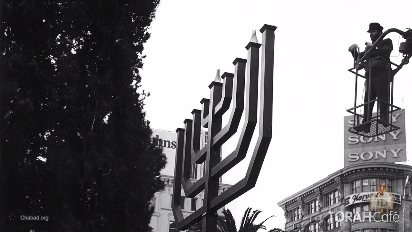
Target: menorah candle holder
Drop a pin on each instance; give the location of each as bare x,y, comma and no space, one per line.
240,90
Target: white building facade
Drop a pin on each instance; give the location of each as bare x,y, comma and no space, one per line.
162,218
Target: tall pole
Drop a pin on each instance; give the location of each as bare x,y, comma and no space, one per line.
212,157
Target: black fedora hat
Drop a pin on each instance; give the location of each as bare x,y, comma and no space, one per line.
375,26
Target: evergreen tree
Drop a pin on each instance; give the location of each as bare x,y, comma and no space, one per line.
75,147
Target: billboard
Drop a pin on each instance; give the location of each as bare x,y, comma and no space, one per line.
389,147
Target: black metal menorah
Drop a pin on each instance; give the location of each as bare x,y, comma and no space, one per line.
245,96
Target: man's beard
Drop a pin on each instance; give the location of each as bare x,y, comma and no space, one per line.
374,38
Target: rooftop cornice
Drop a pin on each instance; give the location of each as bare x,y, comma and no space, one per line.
330,179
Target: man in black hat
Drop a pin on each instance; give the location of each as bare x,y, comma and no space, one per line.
380,73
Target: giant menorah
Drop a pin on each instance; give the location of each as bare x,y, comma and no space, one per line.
240,90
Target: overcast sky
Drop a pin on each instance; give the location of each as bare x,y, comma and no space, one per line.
190,40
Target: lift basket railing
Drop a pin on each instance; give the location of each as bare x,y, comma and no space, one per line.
373,125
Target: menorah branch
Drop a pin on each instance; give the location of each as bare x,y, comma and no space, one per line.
242,91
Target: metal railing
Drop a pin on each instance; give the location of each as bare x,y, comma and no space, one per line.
378,126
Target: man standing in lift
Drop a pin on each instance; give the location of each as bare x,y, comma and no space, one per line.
380,73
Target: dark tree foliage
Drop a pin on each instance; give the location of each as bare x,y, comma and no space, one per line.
75,146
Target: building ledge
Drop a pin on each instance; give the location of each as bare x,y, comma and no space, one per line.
343,171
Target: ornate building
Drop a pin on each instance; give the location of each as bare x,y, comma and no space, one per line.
372,193
336,202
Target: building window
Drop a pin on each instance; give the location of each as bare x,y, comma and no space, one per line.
327,200
333,222
365,208
388,185
382,182
313,206
295,214
193,205
172,227
182,202
206,137
365,185
330,224
364,212
371,185
357,186
314,227
337,218
356,209
337,196
332,198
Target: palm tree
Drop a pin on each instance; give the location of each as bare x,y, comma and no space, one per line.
277,230
228,224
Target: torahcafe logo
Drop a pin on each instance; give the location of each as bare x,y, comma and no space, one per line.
390,147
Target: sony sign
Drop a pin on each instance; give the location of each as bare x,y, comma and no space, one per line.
390,147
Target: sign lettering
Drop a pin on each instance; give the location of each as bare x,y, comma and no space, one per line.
163,142
390,147
353,157
368,196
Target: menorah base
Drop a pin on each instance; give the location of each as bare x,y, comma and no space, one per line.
373,128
